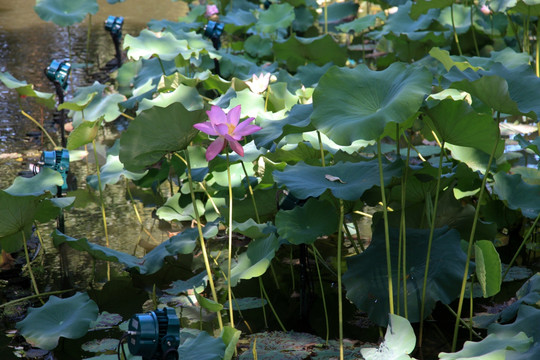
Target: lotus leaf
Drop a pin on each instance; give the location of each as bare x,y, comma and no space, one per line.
278,16
145,142
488,267
366,276
399,341
69,318
320,50
173,210
201,347
197,283
423,6
338,13
352,104
165,45
246,303
304,224
65,12
182,243
230,337
47,180
24,89
345,180
518,194
255,260
493,347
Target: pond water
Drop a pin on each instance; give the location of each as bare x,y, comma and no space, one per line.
27,46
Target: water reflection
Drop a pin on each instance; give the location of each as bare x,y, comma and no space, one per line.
27,46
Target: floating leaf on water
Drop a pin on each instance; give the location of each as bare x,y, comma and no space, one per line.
101,345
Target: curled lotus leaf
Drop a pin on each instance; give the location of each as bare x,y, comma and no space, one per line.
69,318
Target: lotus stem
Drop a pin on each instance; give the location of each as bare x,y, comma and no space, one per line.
40,127
262,302
102,203
325,18
473,31
430,243
525,240
201,239
271,306
321,148
229,259
454,29
471,238
403,235
340,295
32,278
537,64
463,322
161,65
386,230
323,297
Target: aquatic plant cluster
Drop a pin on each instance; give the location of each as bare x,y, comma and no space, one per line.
278,129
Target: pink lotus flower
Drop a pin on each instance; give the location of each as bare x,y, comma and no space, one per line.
228,130
485,10
258,84
211,10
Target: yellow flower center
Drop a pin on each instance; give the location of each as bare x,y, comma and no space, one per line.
231,128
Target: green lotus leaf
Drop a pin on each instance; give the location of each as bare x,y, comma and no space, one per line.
501,5
532,353
113,170
69,318
303,19
165,45
46,180
517,194
255,260
461,18
173,26
101,105
507,56
237,19
252,229
79,102
347,181
278,16
182,243
197,283
201,347
24,89
65,12
366,278
208,304
511,91
304,224
352,104
533,145
297,121
83,134
421,7
101,345
145,142
493,347
246,303
252,104
230,337
488,267
257,46
231,65
449,61
527,7
399,341
186,95
401,23
173,210
476,159
320,50
361,24
339,13
106,320
457,123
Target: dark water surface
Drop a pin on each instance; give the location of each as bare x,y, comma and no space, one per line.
27,46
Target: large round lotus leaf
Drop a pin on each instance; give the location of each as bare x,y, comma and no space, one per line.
46,180
347,181
278,16
518,194
69,318
366,278
352,104
149,43
65,12
24,89
320,50
156,132
83,134
202,347
457,123
304,224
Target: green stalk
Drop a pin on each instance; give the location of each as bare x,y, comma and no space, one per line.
471,240
13,302
349,236
271,306
386,231
40,127
32,278
463,322
403,235
323,298
162,67
229,259
102,203
454,29
137,215
514,30
471,311
325,18
537,48
88,34
201,239
430,242
340,295
474,32
525,239
262,302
